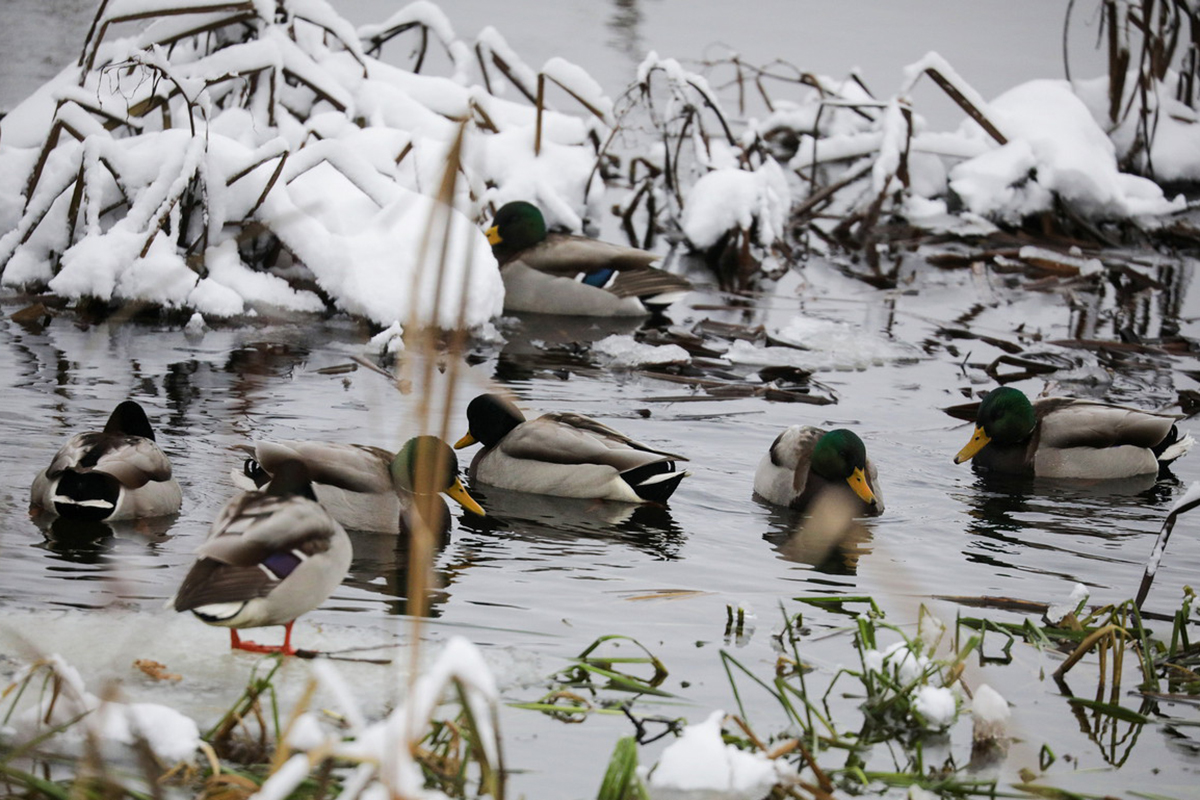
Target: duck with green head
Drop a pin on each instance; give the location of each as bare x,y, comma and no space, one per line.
1061,437
559,273
369,488
564,454
804,461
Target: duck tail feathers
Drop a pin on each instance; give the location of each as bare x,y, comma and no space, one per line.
655,482
1174,446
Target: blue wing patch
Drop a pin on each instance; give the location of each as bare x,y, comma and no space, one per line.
280,565
600,278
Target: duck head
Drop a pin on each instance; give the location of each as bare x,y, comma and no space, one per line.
840,455
489,419
426,465
1005,417
516,226
129,419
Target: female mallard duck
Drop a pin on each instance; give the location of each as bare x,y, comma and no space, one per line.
368,488
114,474
1059,437
805,461
270,556
558,273
568,455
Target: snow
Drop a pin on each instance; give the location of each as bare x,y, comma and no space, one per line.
936,705
1192,495
898,659
338,155
1058,611
700,765
734,199
990,713
1055,148
114,725
620,350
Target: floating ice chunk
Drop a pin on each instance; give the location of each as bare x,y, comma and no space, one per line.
936,705
1086,266
195,325
621,350
700,765
990,713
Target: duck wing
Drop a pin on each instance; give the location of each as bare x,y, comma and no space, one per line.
1066,422
256,542
133,460
566,438
622,271
353,467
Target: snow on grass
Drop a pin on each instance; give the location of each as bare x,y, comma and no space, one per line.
700,764
113,725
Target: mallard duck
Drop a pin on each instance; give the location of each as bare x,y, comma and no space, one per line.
369,488
558,273
114,474
1060,437
563,454
270,556
804,462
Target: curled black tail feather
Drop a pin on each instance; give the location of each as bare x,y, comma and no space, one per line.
655,482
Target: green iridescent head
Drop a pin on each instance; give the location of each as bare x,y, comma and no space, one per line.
840,455
516,226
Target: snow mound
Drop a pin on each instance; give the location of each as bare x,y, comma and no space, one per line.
700,765
1055,148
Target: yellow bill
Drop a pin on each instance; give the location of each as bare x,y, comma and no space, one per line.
466,441
858,482
493,234
458,494
974,446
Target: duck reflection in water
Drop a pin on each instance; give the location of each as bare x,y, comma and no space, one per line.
649,527
1009,516
382,564
92,541
828,535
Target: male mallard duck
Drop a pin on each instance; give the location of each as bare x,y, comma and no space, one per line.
270,556
558,273
369,488
114,474
568,455
1060,437
805,461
